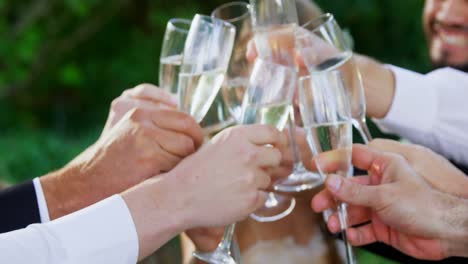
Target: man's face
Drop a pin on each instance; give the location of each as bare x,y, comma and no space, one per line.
446,26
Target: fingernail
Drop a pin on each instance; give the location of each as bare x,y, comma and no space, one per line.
334,226
334,182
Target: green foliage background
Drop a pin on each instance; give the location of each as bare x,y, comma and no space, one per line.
62,62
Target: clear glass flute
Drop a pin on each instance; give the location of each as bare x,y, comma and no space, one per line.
267,101
205,60
171,53
275,24
326,113
323,47
237,76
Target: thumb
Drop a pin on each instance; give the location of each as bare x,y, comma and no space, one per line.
353,192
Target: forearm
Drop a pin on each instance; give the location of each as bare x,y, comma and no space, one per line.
62,192
83,237
156,211
75,186
379,86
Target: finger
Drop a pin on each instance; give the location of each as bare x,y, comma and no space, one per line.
362,235
177,144
251,53
332,161
205,239
390,146
354,193
279,172
365,158
267,156
178,122
324,200
167,161
333,224
357,215
264,134
262,179
122,105
261,199
152,93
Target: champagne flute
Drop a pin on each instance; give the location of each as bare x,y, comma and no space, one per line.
171,53
267,101
275,23
237,76
323,46
205,60
227,106
326,113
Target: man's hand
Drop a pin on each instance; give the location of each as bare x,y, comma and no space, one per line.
435,169
222,183
403,210
234,178
148,139
145,96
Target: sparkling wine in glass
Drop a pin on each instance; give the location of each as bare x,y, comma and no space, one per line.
237,76
267,101
326,113
205,60
171,53
323,47
275,24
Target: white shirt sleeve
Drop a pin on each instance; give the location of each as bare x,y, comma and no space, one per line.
101,233
431,110
41,201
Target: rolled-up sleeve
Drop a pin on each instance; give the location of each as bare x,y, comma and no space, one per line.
431,110
101,233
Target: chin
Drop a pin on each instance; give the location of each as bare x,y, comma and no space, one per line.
442,64
442,58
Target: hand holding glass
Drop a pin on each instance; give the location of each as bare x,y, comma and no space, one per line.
323,47
326,114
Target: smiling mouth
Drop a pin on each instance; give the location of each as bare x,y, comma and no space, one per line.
455,35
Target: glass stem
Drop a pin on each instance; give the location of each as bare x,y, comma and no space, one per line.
225,244
361,126
297,159
343,216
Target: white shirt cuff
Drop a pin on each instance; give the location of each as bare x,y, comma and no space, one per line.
41,201
414,103
101,233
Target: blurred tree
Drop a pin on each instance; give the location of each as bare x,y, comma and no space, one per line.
62,62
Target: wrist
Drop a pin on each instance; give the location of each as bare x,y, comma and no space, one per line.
60,192
157,214
77,185
379,86
453,223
